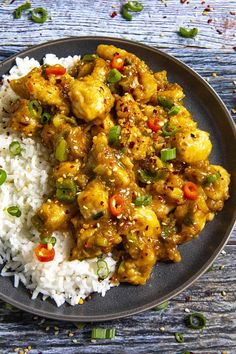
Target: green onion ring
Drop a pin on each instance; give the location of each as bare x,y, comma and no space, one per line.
162,306
114,134
114,76
18,11
135,6
168,130
45,118
195,321
102,269
35,108
168,154
14,211
103,333
179,337
3,176
42,15
15,148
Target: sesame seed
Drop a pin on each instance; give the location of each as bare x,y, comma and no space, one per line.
74,341
70,334
214,74
223,293
56,333
162,329
56,328
221,267
81,301
186,310
47,328
223,252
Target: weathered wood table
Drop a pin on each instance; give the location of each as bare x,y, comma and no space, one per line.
211,54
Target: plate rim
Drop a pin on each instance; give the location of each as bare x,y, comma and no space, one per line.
216,252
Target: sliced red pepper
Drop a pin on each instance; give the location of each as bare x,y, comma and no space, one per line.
43,253
153,124
55,70
118,62
190,190
116,204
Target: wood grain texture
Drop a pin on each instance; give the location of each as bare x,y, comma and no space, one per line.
211,51
141,333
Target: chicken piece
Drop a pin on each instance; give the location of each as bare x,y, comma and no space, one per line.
192,145
218,191
139,242
93,200
182,120
101,69
137,79
35,86
173,93
90,98
170,188
106,164
55,216
79,142
66,169
95,239
161,78
130,118
103,125
22,120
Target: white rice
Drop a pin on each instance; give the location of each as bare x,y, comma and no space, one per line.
27,181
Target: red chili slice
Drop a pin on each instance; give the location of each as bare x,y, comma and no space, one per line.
190,190
44,254
55,70
153,123
118,62
116,204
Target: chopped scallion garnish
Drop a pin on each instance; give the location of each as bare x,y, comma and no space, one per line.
89,57
35,108
162,306
14,211
114,76
179,337
15,148
102,269
114,134
61,151
103,333
66,190
143,200
39,15
212,178
191,33
174,110
195,321
168,154
18,11
169,130
45,118
3,176
165,102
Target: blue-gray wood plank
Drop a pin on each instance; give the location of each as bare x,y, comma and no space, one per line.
211,51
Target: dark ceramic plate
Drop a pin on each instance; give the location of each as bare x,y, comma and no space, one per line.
167,280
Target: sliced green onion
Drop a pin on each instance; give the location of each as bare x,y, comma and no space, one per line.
174,110
3,176
35,108
15,148
79,325
179,337
165,102
18,11
195,321
98,215
89,57
162,306
212,178
39,15
102,269
167,230
210,269
48,239
45,118
135,6
114,76
103,333
14,211
148,177
66,190
143,200
61,151
191,33
168,154
114,134
125,12
168,130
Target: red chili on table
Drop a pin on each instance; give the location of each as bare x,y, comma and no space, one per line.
43,253
153,124
118,62
190,190
116,204
55,70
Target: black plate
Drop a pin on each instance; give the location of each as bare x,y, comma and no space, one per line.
167,280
